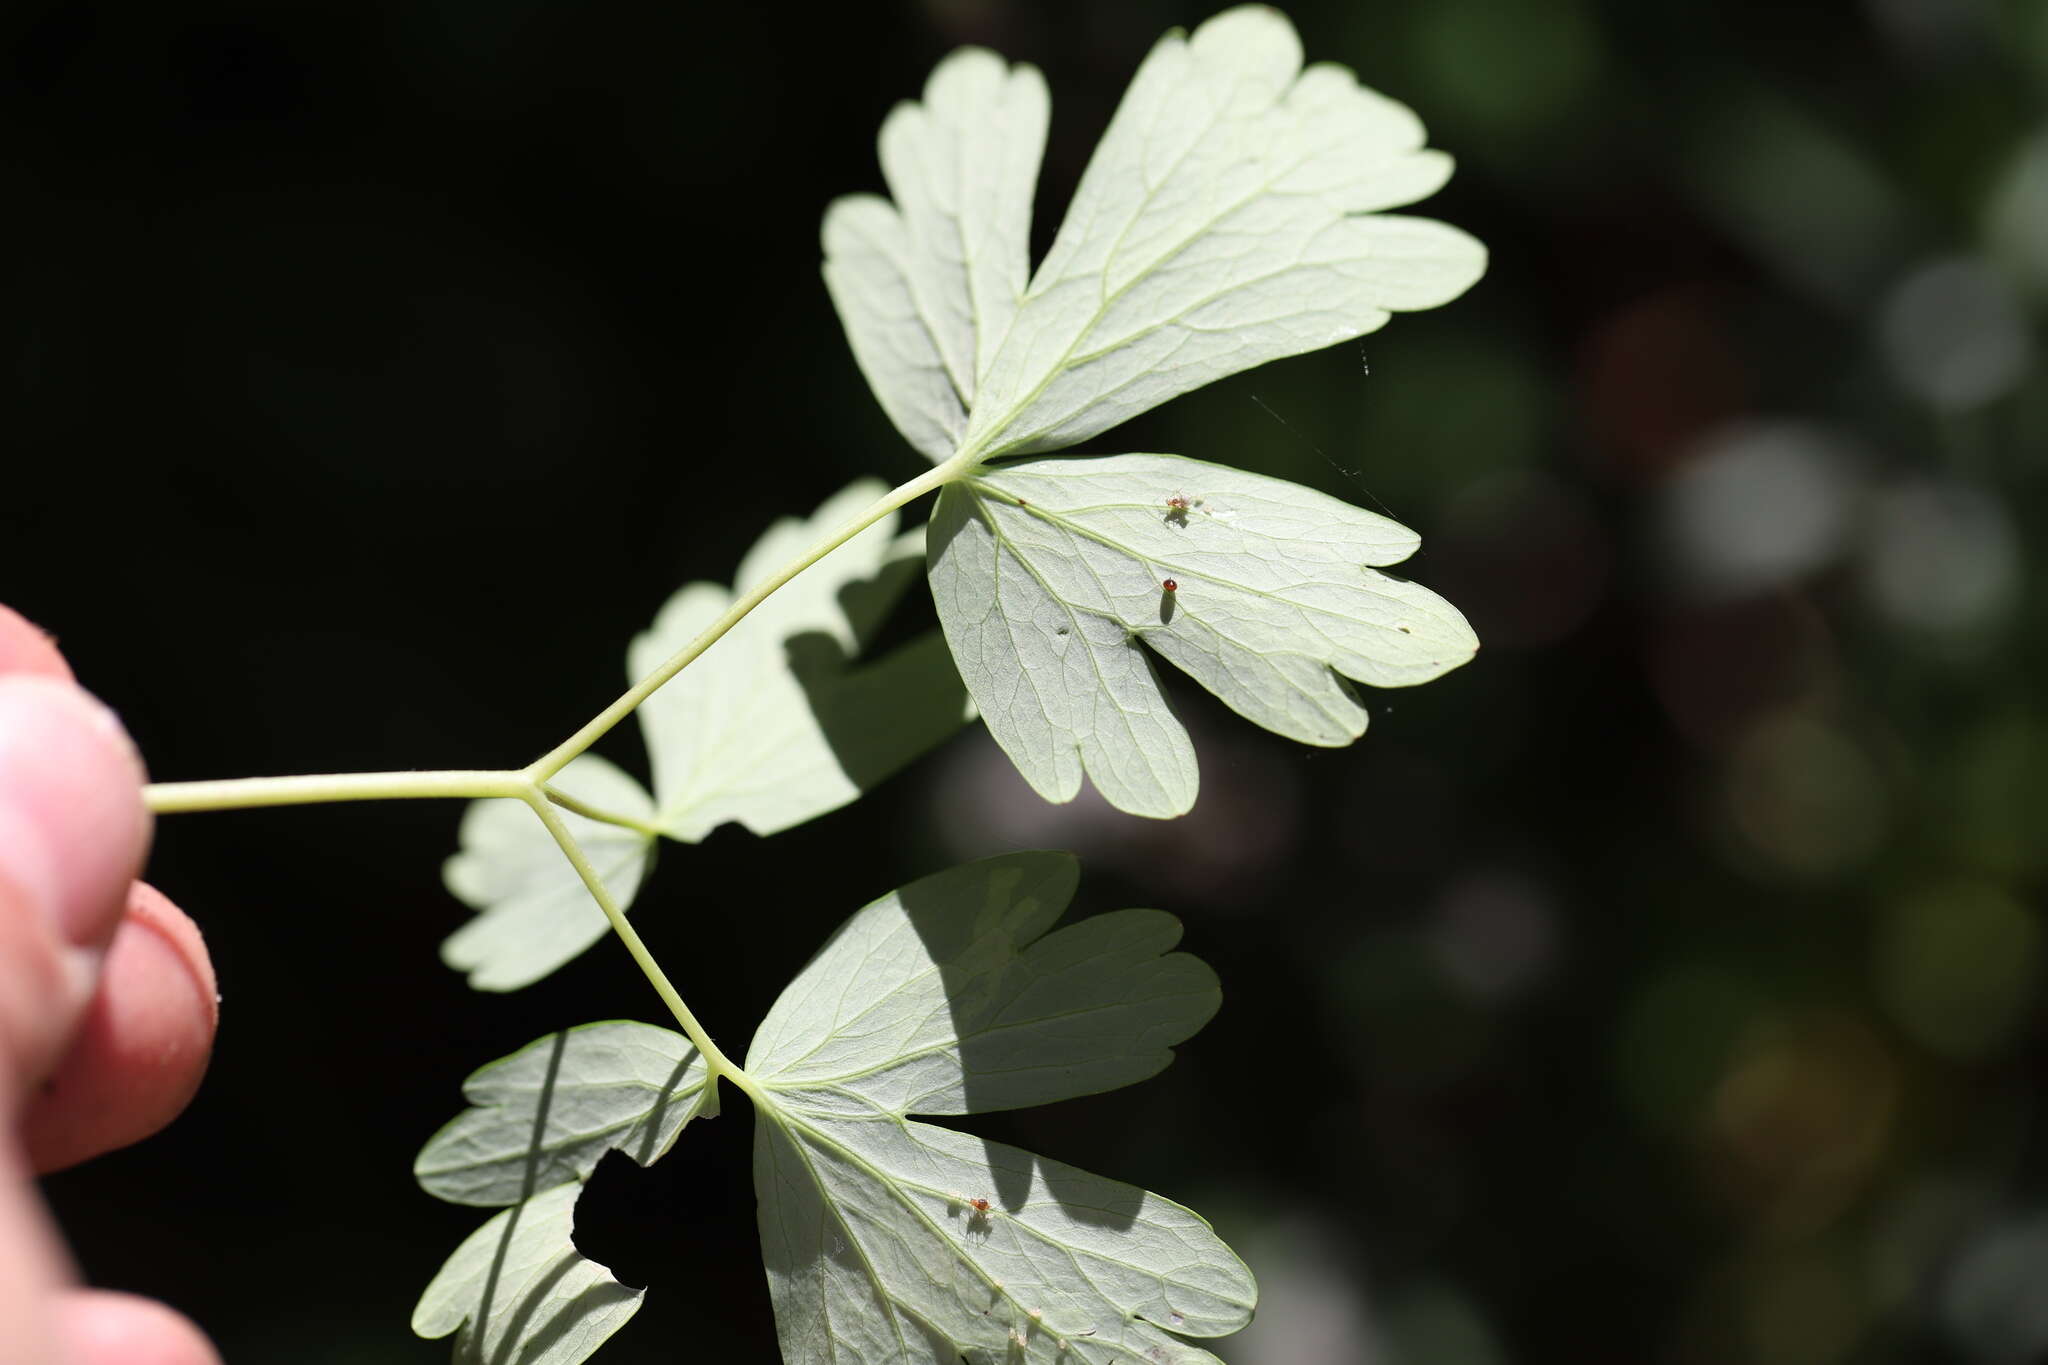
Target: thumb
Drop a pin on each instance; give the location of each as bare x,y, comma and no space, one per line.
73,831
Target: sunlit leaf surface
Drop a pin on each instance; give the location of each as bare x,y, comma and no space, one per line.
1228,217
533,912
1232,214
546,1113
891,1240
927,285
1052,578
541,1118
518,1290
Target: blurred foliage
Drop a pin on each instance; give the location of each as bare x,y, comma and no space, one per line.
1670,979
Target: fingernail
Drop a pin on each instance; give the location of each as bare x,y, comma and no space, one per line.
73,829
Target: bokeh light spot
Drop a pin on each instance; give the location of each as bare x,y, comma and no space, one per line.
1956,966
1806,796
1759,505
1955,334
1941,557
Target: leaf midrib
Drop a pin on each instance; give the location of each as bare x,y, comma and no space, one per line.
790,1123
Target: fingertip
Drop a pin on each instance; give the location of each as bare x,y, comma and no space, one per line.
26,648
103,1327
142,1047
151,907
73,827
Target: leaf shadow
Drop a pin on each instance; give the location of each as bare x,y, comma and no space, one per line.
877,716
519,1339
935,915
482,1316
650,1127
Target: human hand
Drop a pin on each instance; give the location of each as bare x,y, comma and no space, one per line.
107,1003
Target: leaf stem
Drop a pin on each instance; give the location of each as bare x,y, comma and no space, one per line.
555,759
589,812
720,1064
244,792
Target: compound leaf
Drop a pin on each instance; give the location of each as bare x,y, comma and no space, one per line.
1232,214
533,912
927,285
1049,573
950,996
518,1289
546,1113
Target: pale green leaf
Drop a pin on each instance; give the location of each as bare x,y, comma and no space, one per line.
774,726
518,1290
949,996
533,911
1228,218
1050,575
1232,214
962,1013
927,285
546,1113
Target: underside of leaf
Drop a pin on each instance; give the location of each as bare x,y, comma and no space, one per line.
877,1252
517,1288
1232,214
1053,575
533,911
549,1111
890,1240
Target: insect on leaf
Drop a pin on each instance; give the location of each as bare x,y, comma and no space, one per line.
1051,577
891,1240
1232,214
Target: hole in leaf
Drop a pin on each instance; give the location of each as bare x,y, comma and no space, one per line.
622,1220
643,1223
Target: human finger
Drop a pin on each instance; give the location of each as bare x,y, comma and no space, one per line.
73,831
142,1046
72,834
101,1327
24,648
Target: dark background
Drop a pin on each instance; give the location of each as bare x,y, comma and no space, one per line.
1662,986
